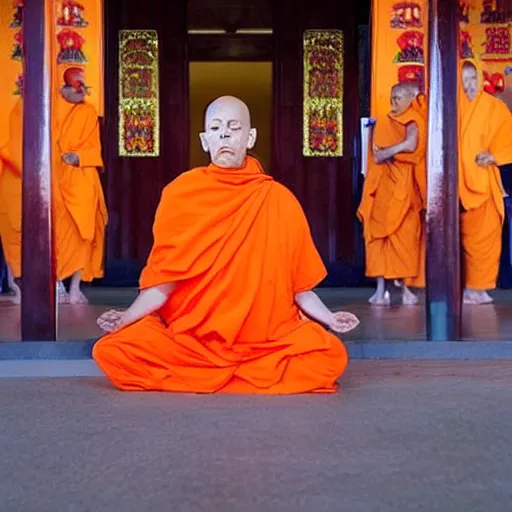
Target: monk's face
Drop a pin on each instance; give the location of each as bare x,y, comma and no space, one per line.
75,93
228,133
470,82
401,99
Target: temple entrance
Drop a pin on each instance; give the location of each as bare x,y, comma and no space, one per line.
249,81
253,49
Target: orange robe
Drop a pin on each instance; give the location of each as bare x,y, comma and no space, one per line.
10,191
394,194
238,247
80,213
485,125
420,175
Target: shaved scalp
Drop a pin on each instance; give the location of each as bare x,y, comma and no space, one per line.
229,101
468,65
412,89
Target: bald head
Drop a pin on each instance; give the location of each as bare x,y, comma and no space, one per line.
469,79
402,95
227,132
74,89
407,88
228,103
468,65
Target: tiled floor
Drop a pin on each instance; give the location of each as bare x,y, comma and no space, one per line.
396,323
75,323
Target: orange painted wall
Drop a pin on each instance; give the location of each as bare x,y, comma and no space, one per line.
484,62
385,49
93,50
10,68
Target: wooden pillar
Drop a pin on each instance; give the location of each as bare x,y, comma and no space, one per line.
38,306
443,238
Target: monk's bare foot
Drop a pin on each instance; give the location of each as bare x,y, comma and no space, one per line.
468,297
375,297
15,299
77,297
379,299
477,297
408,298
63,298
11,299
16,290
62,294
486,298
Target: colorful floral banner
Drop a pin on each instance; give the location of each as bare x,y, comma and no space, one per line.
11,64
399,39
323,93
16,23
399,46
76,31
139,132
78,42
486,38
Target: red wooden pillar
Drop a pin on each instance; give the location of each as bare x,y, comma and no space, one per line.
443,246
38,306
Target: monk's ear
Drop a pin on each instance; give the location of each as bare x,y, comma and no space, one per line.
253,135
204,142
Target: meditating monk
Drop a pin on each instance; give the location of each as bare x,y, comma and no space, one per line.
80,213
485,143
10,198
231,271
394,195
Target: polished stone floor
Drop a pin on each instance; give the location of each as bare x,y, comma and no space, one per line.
396,323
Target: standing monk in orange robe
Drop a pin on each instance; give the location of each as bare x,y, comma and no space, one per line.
394,196
232,266
485,143
80,213
10,198
11,171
